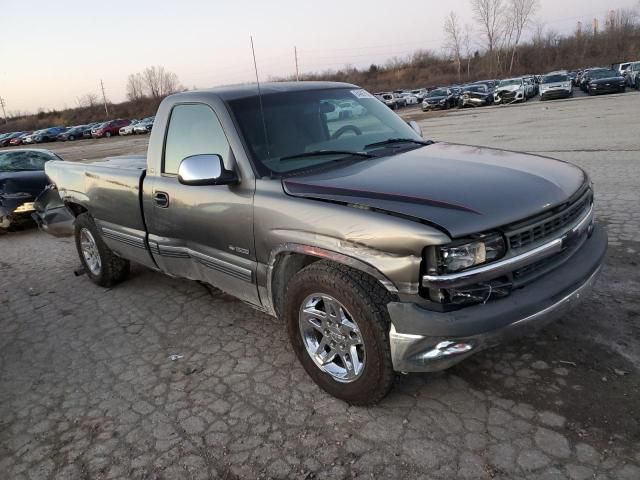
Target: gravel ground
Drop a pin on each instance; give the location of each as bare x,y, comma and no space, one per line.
88,389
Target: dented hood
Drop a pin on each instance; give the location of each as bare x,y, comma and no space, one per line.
462,189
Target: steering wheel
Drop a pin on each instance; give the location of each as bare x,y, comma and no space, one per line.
344,129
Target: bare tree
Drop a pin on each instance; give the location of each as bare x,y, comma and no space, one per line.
135,86
488,14
160,83
453,39
88,100
520,14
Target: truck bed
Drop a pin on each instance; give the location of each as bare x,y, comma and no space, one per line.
109,188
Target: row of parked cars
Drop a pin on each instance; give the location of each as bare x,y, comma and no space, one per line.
553,85
78,132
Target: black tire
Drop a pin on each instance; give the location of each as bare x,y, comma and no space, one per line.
113,269
366,300
71,138
108,134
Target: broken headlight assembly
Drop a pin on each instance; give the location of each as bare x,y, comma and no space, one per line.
462,255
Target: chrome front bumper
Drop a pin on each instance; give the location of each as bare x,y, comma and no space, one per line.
418,353
423,340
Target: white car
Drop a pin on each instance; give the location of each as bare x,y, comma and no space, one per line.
555,85
510,90
410,98
128,129
631,73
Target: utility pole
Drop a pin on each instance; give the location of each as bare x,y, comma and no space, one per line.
4,114
104,99
295,54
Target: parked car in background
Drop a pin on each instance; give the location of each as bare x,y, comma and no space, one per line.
420,93
555,85
631,74
4,141
19,140
620,67
476,95
30,137
109,129
128,129
510,90
74,133
48,134
146,125
605,81
409,98
586,75
390,99
440,98
529,87
22,178
86,133
5,135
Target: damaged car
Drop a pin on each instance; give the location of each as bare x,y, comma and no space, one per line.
477,95
22,179
380,250
510,90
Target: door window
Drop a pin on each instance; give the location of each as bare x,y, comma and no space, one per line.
193,129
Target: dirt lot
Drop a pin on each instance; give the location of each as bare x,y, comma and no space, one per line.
87,388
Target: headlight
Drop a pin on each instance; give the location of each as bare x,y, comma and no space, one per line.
454,258
443,100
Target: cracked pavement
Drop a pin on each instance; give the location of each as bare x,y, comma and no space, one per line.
88,387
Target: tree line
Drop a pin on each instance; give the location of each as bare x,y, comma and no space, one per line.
504,40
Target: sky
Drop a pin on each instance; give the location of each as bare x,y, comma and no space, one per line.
55,52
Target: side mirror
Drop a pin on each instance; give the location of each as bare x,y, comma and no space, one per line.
415,127
206,169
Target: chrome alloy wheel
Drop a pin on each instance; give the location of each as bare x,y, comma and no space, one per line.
90,251
332,337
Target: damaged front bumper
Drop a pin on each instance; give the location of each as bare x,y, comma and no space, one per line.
425,341
14,207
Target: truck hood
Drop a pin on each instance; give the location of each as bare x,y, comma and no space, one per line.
462,189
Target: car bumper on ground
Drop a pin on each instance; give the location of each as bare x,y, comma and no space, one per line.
425,341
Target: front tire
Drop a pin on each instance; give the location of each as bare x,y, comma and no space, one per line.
108,134
338,326
101,264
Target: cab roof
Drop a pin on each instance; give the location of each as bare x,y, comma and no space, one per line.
235,92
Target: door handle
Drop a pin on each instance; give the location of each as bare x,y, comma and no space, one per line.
161,199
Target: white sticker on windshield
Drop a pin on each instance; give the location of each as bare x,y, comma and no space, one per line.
360,93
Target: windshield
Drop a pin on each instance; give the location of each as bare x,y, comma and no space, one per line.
475,88
555,78
298,123
23,160
603,74
438,92
511,81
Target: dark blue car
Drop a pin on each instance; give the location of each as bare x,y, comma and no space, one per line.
49,134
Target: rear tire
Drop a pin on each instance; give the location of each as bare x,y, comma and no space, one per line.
362,301
101,264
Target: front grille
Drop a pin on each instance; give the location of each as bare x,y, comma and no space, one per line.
549,226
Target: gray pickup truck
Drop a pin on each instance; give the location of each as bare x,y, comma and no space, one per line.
381,251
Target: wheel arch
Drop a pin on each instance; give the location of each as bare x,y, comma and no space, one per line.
287,260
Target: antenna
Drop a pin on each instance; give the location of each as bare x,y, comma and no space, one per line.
264,123
295,54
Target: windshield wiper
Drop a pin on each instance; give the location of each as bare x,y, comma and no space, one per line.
391,141
320,153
